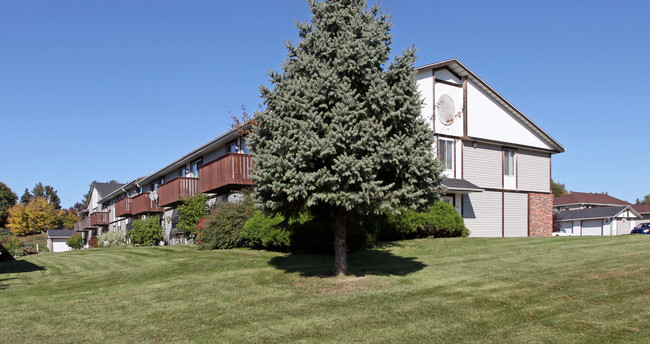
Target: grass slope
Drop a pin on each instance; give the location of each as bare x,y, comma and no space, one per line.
529,290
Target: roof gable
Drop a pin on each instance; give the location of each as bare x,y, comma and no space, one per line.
524,129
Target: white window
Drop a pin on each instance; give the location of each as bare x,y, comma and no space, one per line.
509,162
446,153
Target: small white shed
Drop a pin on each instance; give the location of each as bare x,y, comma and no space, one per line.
56,240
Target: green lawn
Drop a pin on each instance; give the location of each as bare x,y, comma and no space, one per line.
529,290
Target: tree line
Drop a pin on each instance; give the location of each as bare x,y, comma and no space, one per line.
36,211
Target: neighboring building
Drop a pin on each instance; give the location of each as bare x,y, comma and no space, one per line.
585,200
616,220
57,238
94,219
644,211
498,162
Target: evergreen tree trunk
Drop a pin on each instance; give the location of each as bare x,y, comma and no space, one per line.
340,248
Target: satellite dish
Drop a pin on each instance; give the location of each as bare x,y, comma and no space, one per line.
153,195
446,109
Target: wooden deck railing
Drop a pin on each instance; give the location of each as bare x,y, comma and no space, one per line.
99,218
143,204
176,189
123,207
229,171
82,224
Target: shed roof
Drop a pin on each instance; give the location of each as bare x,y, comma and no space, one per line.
595,213
59,233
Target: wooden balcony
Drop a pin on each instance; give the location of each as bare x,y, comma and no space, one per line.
142,204
176,189
230,171
123,207
99,218
82,224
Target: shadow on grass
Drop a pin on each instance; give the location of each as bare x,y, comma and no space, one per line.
18,266
370,262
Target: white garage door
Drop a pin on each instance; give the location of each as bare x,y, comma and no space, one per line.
568,226
623,226
592,227
482,213
60,246
515,215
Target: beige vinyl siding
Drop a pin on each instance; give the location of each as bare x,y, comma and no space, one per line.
482,213
515,215
592,227
534,171
482,165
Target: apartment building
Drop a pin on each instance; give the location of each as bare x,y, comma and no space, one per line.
497,161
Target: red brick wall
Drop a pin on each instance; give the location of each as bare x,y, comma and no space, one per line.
540,214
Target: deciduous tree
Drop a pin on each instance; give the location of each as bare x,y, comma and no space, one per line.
69,217
190,212
35,217
343,132
7,200
557,189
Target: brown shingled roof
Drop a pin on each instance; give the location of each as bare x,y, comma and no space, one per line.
642,209
587,198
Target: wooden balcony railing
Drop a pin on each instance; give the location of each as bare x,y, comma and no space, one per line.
99,219
176,189
143,204
82,224
228,172
123,207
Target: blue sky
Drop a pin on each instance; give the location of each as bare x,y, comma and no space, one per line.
117,89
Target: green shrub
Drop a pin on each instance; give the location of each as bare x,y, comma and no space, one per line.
24,251
111,239
10,242
147,232
224,226
440,220
75,241
267,232
190,212
93,242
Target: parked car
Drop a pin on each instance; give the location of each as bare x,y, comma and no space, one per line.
643,228
562,232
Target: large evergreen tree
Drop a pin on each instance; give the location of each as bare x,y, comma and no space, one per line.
26,197
47,192
342,132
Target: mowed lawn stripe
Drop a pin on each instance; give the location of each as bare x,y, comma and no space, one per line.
523,290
